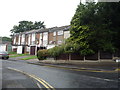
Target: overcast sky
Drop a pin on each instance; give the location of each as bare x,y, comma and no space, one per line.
52,12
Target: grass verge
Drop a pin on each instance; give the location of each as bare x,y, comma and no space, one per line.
18,55
30,57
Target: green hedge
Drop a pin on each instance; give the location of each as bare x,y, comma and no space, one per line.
42,54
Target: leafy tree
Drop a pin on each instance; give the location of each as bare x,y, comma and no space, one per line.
96,27
27,26
38,25
6,39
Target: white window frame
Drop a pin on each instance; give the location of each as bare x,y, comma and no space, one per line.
54,33
60,32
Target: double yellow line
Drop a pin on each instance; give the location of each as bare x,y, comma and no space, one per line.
43,82
84,69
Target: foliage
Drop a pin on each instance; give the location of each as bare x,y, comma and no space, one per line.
42,54
56,51
95,27
6,39
26,26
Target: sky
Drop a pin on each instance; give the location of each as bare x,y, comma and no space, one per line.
52,12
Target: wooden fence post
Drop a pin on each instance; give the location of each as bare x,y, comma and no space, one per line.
98,55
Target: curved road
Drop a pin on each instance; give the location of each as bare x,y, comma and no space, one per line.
57,78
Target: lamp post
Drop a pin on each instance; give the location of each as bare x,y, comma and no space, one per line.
70,53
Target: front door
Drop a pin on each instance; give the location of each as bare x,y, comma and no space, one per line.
32,50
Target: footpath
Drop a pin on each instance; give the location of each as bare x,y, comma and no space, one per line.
88,65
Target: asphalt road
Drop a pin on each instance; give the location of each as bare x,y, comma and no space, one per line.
56,77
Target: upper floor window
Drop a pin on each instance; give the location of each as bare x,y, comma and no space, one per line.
33,37
54,33
60,32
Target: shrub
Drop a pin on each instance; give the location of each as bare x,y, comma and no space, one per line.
56,51
42,54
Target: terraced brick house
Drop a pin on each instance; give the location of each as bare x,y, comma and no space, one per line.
31,41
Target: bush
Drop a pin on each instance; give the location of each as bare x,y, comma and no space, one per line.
56,51
42,54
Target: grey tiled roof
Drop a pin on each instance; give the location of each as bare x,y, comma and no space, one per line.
46,30
59,28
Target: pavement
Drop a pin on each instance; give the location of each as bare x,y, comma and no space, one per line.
101,66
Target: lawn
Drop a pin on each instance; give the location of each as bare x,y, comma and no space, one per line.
18,55
30,57
14,54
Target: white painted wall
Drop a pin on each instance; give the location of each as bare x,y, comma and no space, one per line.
28,49
19,50
33,38
45,38
23,39
29,39
14,40
2,47
19,39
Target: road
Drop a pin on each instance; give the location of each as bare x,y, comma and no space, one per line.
35,76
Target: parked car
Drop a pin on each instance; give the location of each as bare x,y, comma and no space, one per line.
4,55
117,59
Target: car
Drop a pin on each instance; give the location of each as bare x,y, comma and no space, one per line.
4,55
117,59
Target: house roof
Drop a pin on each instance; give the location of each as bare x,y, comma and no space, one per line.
59,28
46,30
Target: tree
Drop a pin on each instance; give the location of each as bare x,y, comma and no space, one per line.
38,25
27,26
96,27
6,39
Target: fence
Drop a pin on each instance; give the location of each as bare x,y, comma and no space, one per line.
96,56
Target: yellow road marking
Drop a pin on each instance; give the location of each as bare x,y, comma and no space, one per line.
81,69
117,69
43,82
39,81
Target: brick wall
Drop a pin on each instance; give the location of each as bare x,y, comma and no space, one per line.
37,40
51,38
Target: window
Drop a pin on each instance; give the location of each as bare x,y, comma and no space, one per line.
60,33
66,34
54,33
